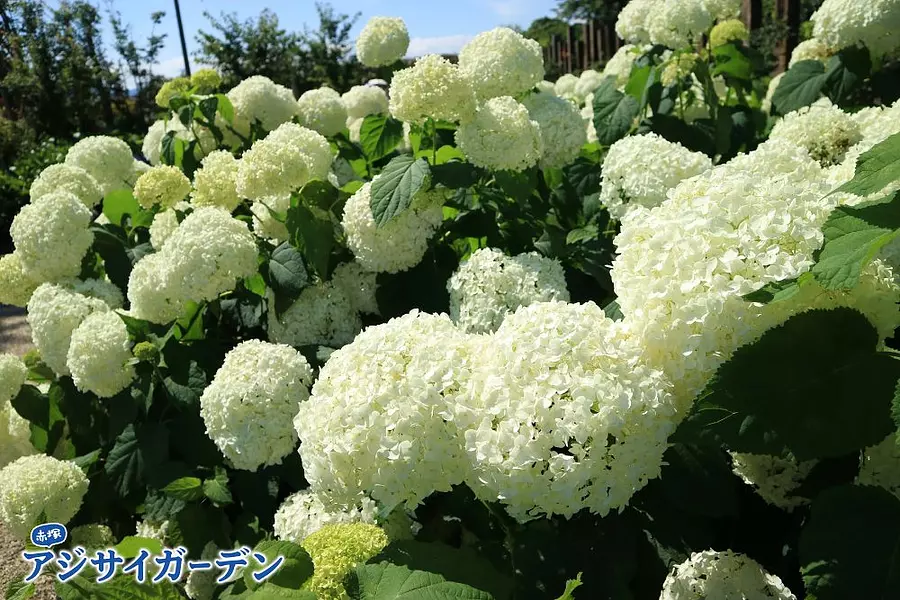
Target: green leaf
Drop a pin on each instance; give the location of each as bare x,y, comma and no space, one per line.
394,190
571,586
816,384
801,85
226,109
876,168
172,151
19,590
216,489
186,488
779,290
850,547
312,231
379,136
119,203
455,175
268,591
845,72
137,450
384,581
125,587
582,234
131,546
208,107
198,524
88,460
287,271
186,115
731,61
294,571
518,185
614,311
698,480
637,82
853,236
614,112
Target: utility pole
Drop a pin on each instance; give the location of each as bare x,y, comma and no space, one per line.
187,64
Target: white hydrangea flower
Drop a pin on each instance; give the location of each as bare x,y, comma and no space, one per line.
545,87
382,41
565,86
151,147
202,585
163,226
562,128
107,159
401,242
843,23
15,435
151,293
13,373
677,23
588,81
249,406
543,427
432,88
16,285
364,100
54,312
100,289
811,49
258,98
52,236
502,136
283,161
374,426
501,62
32,485
304,513
67,178
639,170
92,537
359,285
152,531
323,314
164,185
265,225
215,182
322,111
880,465
621,63
773,477
489,285
724,576
823,129
631,24
99,355
354,127
138,168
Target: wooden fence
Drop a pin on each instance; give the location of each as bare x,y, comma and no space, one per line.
588,45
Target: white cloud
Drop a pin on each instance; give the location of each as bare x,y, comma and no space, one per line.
508,9
447,44
172,67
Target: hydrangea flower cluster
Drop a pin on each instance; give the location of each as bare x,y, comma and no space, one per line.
259,99
382,41
323,314
501,62
107,159
562,128
823,129
843,23
249,406
502,136
732,30
215,182
99,355
16,286
163,185
336,549
171,89
67,178
672,23
723,575
37,485
565,86
811,49
92,537
364,100
265,223
15,433
489,285
163,226
621,63
322,110
432,88
773,477
639,170
304,513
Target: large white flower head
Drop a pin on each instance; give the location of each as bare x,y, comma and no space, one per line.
67,178
724,576
382,41
16,285
164,185
432,88
501,62
400,243
684,266
39,484
823,129
677,23
152,295
373,425
13,373
323,111
54,312
101,289
359,285
842,23
163,226
151,147
364,100
811,49
731,30
107,159
619,66
215,182
631,24
323,314
249,406
774,478
502,136
99,355
258,98
588,81
283,161
304,513
544,429
565,86
562,128
52,236
880,465
490,285
639,170
15,432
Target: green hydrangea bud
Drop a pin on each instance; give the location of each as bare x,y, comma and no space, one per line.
170,89
732,30
32,358
335,550
206,80
678,68
146,352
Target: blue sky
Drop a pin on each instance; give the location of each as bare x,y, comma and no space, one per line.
441,27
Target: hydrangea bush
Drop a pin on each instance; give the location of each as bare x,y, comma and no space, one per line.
629,334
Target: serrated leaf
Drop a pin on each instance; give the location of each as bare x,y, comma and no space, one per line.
131,546
225,108
19,590
312,231
571,586
845,72
379,136
384,581
185,488
394,190
208,107
850,546
216,489
159,507
287,271
614,112
172,149
800,86
137,450
86,461
816,385
876,168
730,60
296,569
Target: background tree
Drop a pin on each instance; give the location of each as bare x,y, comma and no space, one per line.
602,10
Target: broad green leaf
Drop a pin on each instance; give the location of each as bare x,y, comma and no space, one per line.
186,115
571,586
172,151
131,546
779,290
225,108
845,72
379,135
730,60
850,546
198,524
637,82
394,190
698,480
138,449
160,507
319,194
119,203
312,231
208,107
455,174
186,488
88,460
125,587
582,234
518,185
293,572
287,271
853,236
216,489
111,243
800,86
584,175
816,385
876,168
268,591
614,112
614,311
384,581
19,590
